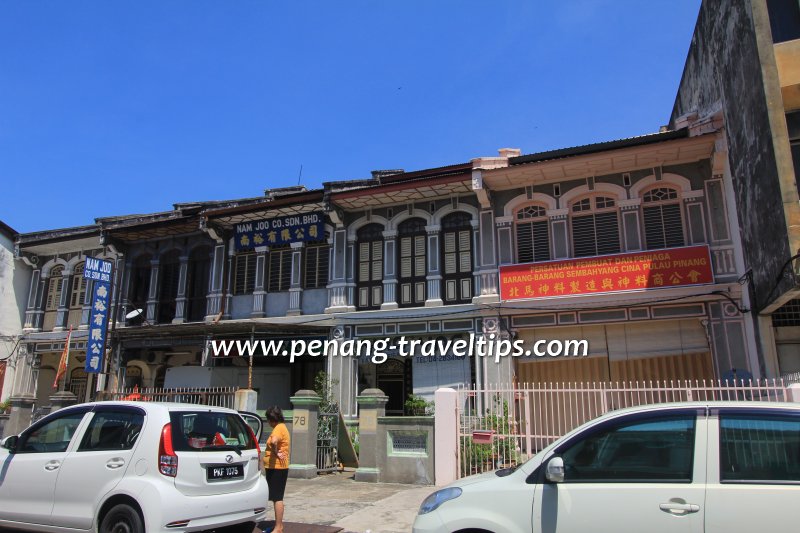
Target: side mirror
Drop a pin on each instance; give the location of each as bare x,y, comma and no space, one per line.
10,443
555,470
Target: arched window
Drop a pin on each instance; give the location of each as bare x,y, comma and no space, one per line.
169,271
78,296
411,260
457,258
595,226
197,276
533,234
369,277
54,289
663,224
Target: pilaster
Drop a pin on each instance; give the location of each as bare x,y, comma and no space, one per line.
152,296
434,267
180,300
296,285
389,270
259,290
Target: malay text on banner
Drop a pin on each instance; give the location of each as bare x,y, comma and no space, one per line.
658,269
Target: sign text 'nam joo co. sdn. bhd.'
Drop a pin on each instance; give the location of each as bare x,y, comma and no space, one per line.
100,272
280,230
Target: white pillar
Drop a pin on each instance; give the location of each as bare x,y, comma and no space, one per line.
446,432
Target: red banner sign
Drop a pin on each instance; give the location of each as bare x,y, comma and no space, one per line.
658,269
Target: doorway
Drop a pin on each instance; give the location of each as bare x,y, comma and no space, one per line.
394,378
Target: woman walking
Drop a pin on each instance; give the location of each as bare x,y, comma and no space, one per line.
276,461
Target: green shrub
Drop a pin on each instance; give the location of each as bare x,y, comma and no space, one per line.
418,406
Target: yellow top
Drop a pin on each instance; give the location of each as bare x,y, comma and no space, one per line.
276,455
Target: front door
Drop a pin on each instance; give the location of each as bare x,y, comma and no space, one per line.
97,464
629,476
391,379
28,477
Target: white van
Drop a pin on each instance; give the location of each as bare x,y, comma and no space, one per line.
108,467
691,467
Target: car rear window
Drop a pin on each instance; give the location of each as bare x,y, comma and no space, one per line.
206,431
759,448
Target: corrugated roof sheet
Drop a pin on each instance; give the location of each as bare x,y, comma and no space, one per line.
599,147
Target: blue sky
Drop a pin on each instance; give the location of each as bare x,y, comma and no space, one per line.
111,108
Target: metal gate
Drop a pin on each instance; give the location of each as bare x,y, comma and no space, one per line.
504,426
328,441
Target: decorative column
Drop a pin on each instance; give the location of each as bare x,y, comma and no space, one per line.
86,309
22,392
505,240
296,285
259,290
389,270
434,267
63,302
486,281
125,286
34,312
350,273
337,285
215,294
120,272
343,376
559,230
630,211
501,372
303,453
180,300
152,297
372,405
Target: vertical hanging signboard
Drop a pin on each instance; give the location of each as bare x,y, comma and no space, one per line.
99,271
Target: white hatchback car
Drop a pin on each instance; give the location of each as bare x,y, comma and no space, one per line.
134,467
692,467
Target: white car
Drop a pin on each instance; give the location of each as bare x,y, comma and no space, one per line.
691,467
134,467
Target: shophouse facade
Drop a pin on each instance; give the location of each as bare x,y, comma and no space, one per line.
412,257
420,255
654,200
55,305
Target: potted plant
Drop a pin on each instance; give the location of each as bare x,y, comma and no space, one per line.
418,406
5,407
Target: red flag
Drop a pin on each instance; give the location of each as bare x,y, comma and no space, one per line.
64,363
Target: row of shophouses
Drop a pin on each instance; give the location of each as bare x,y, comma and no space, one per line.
544,246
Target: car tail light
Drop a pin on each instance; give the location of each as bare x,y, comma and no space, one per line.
253,435
167,460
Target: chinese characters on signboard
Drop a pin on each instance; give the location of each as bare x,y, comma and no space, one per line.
281,230
673,267
99,271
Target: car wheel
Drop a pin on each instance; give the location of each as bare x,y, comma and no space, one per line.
122,519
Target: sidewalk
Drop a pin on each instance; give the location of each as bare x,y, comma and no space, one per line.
355,507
